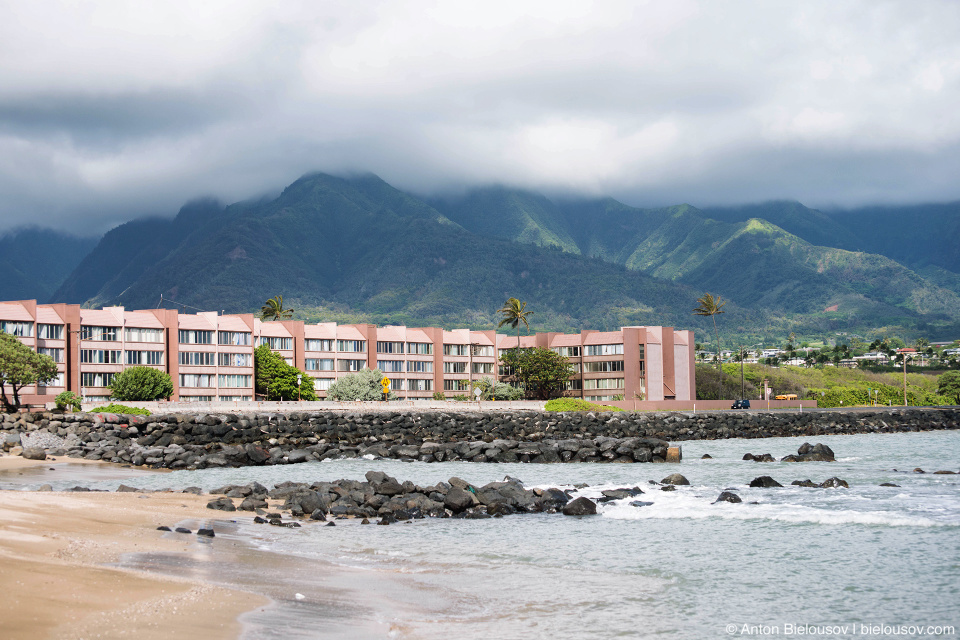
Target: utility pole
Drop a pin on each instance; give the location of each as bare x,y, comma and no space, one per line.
905,379
741,371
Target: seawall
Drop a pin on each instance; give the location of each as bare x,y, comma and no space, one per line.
201,440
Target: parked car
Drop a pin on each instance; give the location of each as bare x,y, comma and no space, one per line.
741,404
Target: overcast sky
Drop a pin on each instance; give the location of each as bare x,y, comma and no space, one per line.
112,110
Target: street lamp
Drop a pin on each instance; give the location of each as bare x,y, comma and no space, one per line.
299,378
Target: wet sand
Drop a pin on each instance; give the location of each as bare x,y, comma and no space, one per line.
54,552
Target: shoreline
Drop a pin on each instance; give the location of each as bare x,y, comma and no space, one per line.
61,557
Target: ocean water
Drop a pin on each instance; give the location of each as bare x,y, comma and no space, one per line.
867,561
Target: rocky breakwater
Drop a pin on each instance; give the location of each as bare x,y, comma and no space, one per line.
196,441
382,496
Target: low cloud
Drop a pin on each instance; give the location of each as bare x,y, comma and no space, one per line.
110,111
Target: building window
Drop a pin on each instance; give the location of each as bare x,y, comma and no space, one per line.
567,352
235,359
234,398
390,366
144,357
318,345
196,380
196,358
351,346
603,367
482,352
641,352
56,354
456,385
603,383
232,381
351,365
600,398
419,366
322,384
56,382
420,348
19,329
456,349
604,350
573,385
189,336
319,364
134,334
98,333
235,338
389,347
196,398
396,384
277,344
454,367
50,331
96,379
419,385
100,356
483,367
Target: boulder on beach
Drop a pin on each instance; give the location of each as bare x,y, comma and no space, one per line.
222,504
804,483
675,478
580,507
34,453
764,482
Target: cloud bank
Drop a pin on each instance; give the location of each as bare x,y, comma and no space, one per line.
111,110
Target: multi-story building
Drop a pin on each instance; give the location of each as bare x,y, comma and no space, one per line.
210,356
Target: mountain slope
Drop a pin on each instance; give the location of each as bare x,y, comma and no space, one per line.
360,244
34,262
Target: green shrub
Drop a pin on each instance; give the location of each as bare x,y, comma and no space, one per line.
120,408
439,395
68,399
141,384
575,404
461,397
363,385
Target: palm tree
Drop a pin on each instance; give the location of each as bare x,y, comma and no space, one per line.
710,306
514,312
273,310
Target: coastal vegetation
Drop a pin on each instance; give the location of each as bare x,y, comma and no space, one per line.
277,380
540,371
710,307
123,409
21,366
141,384
828,386
366,384
575,404
273,309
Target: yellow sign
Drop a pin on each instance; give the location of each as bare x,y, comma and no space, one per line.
385,383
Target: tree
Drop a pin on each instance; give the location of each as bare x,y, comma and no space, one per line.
514,312
143,384
273,310
541,371
710,306
21,366
277,380
948,385
363,385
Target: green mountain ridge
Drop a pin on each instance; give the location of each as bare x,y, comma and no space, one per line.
357,249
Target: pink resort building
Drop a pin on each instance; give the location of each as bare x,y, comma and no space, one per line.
210,356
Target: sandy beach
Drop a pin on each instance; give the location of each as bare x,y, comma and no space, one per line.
54,548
